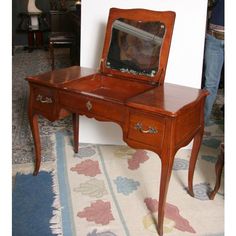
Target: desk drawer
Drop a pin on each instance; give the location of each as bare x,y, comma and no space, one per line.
146,129
91,106
44,99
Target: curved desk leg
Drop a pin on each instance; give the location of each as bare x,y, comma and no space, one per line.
193,159
33,119
166,169
75,117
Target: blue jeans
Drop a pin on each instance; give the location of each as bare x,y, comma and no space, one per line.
213,62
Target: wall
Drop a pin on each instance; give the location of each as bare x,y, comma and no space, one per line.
185,59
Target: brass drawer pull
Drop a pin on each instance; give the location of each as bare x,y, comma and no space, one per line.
89,105
150,130
43,100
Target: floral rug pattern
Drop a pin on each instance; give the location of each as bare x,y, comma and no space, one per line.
113,190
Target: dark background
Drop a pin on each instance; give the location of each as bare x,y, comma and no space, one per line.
19,6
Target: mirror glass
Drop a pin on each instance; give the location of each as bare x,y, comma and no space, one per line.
135,46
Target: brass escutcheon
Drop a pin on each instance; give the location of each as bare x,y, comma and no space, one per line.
89,105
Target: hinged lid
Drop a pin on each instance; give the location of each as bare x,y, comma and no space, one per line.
137,44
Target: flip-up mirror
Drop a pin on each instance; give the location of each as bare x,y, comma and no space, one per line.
137,43
135,46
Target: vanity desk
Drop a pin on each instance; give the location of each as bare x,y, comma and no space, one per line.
129,90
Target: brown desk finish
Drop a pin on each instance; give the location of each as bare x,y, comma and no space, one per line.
129,90
162,119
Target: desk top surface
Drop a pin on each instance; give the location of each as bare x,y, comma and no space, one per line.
58,78
167,99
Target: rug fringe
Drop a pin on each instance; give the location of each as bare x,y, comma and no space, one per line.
55,221
28,168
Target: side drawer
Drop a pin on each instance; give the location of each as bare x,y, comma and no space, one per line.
44,100
92,106
147,129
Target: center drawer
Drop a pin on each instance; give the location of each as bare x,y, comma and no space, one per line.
91,106
147,129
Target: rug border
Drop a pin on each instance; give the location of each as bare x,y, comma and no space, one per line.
68,226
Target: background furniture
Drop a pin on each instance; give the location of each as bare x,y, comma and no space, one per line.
35,34
75,18
20,37
65,32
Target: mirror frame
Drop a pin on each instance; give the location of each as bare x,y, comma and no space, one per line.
165,17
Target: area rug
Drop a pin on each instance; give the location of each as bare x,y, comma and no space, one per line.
35,205
108,190
25,64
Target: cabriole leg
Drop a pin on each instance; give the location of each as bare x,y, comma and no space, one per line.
166,168
33,119
193,159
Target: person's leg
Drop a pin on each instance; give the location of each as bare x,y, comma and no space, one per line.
213,62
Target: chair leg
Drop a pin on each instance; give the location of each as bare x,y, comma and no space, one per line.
218,169
51,51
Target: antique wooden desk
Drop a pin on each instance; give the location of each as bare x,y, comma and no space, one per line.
153,115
